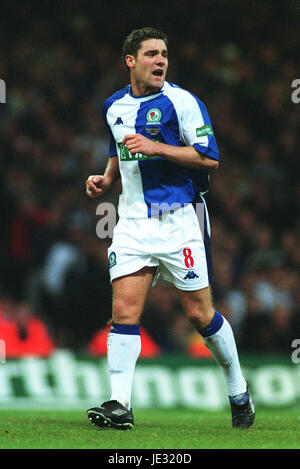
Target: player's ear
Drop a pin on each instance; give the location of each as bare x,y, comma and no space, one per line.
130,60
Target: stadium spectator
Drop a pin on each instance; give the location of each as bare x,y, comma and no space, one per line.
22,332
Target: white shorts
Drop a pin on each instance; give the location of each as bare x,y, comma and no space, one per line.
174,243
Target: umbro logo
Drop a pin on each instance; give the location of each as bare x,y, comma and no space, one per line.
191,274
119,412
119,121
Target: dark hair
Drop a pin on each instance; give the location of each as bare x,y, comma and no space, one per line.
133,41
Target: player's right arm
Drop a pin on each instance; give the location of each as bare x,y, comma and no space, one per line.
97,185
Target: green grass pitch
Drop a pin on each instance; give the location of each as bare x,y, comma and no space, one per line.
154,429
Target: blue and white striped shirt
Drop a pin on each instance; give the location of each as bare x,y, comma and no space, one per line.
172,116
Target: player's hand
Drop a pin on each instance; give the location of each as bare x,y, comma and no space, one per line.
137,143
96,186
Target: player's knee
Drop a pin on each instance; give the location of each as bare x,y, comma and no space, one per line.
198,307
125,313
200,317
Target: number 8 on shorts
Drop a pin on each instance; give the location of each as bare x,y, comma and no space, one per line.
188,259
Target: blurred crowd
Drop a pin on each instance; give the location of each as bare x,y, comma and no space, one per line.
59,66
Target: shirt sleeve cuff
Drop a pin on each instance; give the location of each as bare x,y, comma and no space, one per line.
207,151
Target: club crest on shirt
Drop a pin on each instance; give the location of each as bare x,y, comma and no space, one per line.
154,116
112,259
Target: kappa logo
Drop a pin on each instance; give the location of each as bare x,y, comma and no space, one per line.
154,116
191,275
119,121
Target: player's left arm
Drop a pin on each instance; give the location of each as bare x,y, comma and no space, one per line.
186,156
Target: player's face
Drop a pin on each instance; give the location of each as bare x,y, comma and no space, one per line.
148,69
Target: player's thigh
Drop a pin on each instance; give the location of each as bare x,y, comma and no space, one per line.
129,295
198,305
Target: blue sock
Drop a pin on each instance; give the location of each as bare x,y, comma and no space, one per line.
132,329
213,327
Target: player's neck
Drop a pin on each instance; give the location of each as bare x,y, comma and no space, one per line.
139,89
